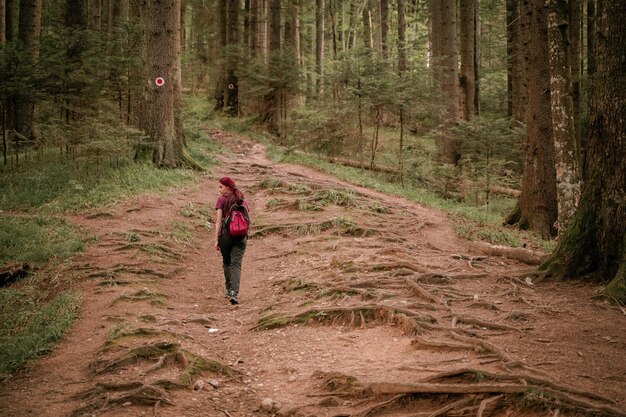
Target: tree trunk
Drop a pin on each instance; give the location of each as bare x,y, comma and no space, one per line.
450,77
8,18
319,46
384,27
230,85
468,49
96,15
161,23
272,97
29,34
2,22
254,28
368,36
594,246
575,61
518,21
565,145
537,201
402,63
222,24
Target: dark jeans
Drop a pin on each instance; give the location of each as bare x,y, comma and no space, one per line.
232,255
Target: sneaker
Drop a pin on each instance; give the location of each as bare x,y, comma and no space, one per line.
233,298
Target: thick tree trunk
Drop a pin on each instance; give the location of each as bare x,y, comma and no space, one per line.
538,199
8,19
575,34
565,145
518,21
402,62
254,28
272,97
222,24
319,46
2,22
450,77
96,15
384,27
230,85
468,14
161,22
368,36
594,246
25,114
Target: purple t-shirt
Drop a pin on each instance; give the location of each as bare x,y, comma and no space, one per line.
221,202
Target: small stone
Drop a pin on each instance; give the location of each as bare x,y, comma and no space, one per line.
127,404
267,404
214,383
199,385
292,378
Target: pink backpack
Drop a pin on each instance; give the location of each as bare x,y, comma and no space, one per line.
238,221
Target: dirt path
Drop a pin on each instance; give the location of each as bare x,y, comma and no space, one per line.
354,303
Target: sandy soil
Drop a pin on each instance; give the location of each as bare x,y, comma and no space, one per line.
366,306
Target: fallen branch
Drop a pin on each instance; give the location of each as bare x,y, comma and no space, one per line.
523,255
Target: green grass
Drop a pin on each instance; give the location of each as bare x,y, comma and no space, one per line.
471,222
38,239
30,327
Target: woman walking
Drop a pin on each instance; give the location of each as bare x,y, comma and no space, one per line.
231,248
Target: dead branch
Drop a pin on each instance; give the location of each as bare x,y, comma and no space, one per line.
523,255
484,324
419,291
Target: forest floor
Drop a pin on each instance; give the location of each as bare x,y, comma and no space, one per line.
353,303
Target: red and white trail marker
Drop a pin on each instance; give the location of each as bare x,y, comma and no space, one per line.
160,81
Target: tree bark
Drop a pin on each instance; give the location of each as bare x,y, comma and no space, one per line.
468,14
384,27
450,77
319,46
538,199
222,29
96,15
254,28
272,97
8,18
518,21
25,114
562,105
230,84
161,23
575,34
402,62
594,246
2,22
368,36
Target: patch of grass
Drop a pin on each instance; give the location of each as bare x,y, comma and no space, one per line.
38,239
473,218
273,203
30,327
57,186
182,232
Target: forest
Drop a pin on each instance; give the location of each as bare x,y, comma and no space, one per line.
510,110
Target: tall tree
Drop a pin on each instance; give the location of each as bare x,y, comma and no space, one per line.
468,41
449,82
2,22
319,45
565,144
402,61
384,27
253,40
8,19
368,36
25,115
230,84
594,245
537,202
161,24
518,22
272,97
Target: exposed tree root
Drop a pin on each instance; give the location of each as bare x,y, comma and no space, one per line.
484,324
421,341
158,349
151,249
342,385
422,292
519,254
346,227
143,395
348,315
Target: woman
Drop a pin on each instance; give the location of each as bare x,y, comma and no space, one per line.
232,249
